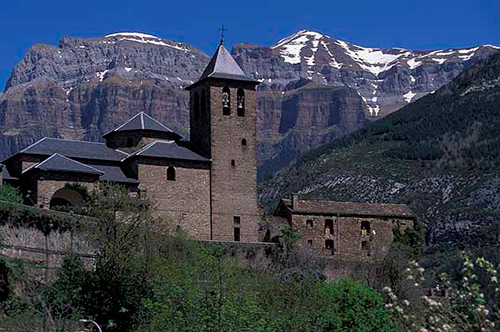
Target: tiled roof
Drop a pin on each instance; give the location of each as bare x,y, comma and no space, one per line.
348,208
74,149
224,66
60,163
142,121
171,150
114,174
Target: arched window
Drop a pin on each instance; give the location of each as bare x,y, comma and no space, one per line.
196,105
233,163
171,173
244,142
240,102
203,102
226,101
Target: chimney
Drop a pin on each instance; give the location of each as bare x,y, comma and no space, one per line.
295,201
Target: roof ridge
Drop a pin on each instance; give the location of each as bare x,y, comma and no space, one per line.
145,148
158,122
33,144
80,163
40,163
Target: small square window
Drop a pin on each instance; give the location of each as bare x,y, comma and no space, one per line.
309,224
310,243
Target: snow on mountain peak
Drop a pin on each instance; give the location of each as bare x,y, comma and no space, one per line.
291,47
145,39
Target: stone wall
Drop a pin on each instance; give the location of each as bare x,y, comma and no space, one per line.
184,202
234,165
49,183
347,235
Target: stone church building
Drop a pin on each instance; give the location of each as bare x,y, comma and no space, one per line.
208,185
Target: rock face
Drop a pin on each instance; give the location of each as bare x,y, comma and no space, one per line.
314,88
297,120
86,86
386,79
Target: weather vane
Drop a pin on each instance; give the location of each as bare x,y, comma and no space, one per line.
222,34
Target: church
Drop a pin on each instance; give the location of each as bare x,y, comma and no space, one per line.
207,186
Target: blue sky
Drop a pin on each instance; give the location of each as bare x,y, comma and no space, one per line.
422,24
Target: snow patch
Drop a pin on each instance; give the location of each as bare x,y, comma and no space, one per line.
409,96
101,75
128,69
439,60
373,60
413,63
144,39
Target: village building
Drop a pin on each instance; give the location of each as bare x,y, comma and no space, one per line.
207,185
348,230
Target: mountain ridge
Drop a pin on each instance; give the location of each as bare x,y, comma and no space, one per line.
83,87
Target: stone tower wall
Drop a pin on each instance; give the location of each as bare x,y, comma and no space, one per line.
234,188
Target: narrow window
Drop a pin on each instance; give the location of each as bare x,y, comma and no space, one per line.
237,223
329,226
130,142
365,228
203,101
329,244
310,243
196,105
309,224
244,142
171,173
233,163
240,102
226,101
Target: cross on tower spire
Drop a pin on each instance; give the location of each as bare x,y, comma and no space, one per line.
222,29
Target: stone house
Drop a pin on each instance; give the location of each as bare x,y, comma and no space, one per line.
347,230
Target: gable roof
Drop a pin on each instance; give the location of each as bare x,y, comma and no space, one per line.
142,121
170,150
73,149
60,163
222,65
323,207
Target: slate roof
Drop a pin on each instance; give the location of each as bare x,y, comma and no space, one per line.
114,174
223,65
348,208
6,175
171,150
60,163
142,121
73,149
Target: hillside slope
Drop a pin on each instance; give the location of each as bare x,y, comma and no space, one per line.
440,155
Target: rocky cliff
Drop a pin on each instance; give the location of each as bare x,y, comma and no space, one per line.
313,87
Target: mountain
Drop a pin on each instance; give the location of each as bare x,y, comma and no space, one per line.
86,86
313,88
439,154
385,79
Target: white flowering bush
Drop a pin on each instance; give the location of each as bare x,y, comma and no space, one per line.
463,306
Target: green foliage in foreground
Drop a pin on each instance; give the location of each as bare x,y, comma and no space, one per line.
202,289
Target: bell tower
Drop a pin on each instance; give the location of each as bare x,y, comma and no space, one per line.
223,126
